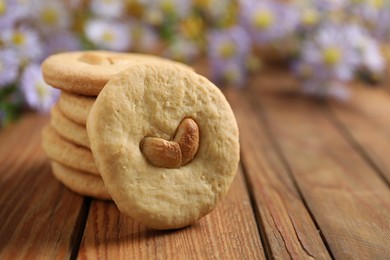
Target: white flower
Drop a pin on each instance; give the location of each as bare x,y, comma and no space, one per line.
268,20
108,8
23,40
109,34
368,49
332,52
37,93
50,15
9,67
230,43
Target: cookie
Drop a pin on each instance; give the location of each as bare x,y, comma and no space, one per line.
177,161
67,129
67,153
75,107
80,182
86,73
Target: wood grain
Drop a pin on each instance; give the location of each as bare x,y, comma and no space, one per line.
366,118
348,200
289,230
38,216
229,232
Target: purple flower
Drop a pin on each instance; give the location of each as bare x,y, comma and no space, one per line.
229,43
268,21
24,41
50,16
232,71
61,42
228,51
9,67
332,52
10,12
107,34
108,9
37,93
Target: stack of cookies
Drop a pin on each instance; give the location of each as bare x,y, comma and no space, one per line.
80,76
152,135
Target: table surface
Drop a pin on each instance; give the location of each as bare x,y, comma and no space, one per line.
313,182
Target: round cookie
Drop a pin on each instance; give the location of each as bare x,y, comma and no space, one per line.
67,129
75,107
87,72
80,182
67,153
188,136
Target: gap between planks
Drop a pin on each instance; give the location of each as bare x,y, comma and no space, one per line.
344,130
283,238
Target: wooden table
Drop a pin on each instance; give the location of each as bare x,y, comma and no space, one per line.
313,182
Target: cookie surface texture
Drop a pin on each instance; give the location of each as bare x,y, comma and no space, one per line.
68,129
67,153
158,99
80,182
75,107
87,72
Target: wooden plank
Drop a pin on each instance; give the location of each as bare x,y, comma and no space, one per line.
366,118
229,232
350,203
38,216
288,228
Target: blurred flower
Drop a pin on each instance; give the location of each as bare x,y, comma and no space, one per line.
330,5
332,52
9,67
108,8
368,49
218,11
323,87
179,8
37,93
269,20
144,37
8,16
109,34
60,42
228,51
232,71
182,50
229,43
50,16
367,10
24,41
382,23
12,11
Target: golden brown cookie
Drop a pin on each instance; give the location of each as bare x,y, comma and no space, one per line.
87,72
165,141
75,107
67,129
80,182
67,153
